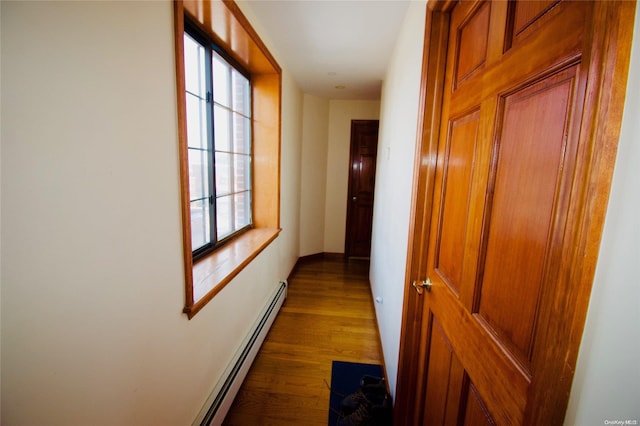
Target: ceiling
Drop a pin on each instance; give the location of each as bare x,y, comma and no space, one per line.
337,49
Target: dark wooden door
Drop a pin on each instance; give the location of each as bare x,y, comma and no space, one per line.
501,287
362,177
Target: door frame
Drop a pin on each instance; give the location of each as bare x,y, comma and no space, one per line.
610,38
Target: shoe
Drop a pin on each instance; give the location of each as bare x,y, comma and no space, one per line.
369,413
373,387
370,406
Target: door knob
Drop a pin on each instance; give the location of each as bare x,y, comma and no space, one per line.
420,286
354,198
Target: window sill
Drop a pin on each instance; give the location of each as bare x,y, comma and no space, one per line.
216,270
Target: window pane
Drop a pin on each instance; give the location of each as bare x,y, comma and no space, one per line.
221,80
196,121
223,173
224,216
241,173
221,123
242,209
194,67
241,134
198,174
199,224
241,94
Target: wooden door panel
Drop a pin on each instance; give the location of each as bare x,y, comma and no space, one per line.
524,17
362,171
444,378
365,177
519,132
530,151
502,165
457,173
476,413
497,376
473,34
361,235
532,59
451,398
527,12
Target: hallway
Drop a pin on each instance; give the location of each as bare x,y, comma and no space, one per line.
328,316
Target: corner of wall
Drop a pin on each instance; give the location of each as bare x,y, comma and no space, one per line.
315,129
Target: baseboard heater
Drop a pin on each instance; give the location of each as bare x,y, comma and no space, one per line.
222,397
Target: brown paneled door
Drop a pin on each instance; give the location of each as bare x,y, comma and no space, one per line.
362,177
508,225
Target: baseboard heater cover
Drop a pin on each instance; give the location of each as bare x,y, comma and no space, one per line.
224,393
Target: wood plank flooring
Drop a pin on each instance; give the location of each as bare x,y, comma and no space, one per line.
328,316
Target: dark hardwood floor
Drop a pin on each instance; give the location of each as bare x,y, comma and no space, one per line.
328,316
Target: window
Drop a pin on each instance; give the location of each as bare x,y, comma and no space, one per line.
218,98
229,108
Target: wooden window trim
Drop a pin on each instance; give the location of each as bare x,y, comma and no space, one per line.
224,23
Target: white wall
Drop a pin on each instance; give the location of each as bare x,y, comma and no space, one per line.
290,173
92,276
340,115
606,384
315,139
394,180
